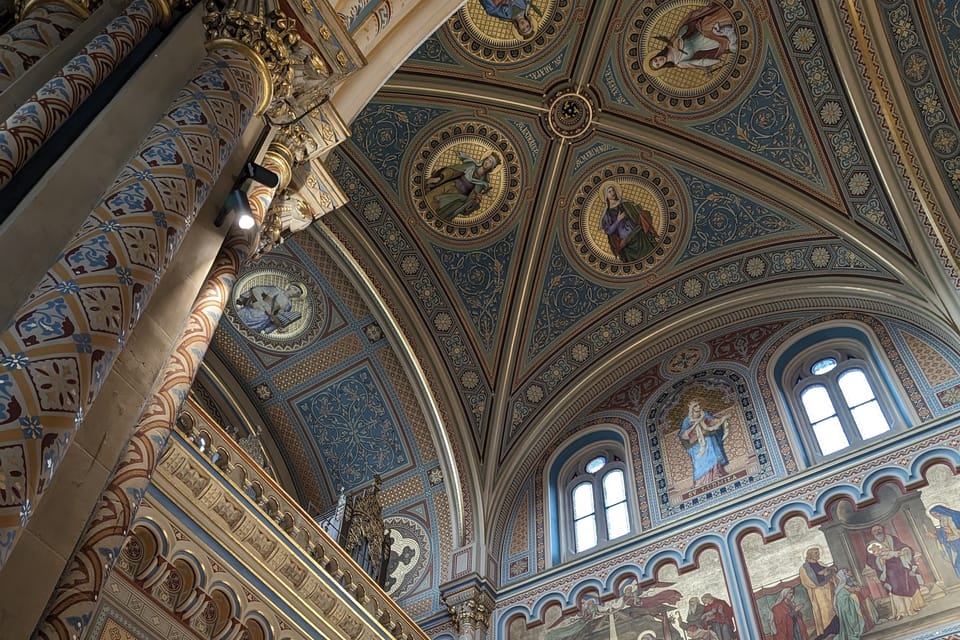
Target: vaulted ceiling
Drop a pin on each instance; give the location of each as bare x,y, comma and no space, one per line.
757,157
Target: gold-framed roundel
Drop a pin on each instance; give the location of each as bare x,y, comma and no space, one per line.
277,306
625,218
466,179
688,58
507,31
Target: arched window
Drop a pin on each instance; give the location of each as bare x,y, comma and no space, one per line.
838,397
597,505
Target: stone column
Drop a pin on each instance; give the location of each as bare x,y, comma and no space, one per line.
30,126
75,596
470,606
41,26
62,343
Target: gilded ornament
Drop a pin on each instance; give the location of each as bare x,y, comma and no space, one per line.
266,38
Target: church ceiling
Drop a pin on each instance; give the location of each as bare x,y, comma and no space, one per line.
741,158
533,207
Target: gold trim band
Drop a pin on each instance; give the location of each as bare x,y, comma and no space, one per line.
278,158
259,64
80,10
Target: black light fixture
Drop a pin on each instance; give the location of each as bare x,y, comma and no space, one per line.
236,201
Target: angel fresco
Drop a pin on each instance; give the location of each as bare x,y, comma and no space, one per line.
701,40
517,12
455,190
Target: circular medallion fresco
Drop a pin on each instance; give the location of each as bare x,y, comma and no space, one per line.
625,218
276,307
688,56
506,30
466,179
409,555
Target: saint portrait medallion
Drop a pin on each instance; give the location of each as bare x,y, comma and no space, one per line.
274,306
506,31
624,219
465,179
689,56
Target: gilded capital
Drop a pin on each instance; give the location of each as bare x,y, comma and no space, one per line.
312,193
310,134
260,30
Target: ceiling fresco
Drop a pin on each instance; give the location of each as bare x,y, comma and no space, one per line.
621,165
541,198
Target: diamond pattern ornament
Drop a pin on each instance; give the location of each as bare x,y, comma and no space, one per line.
64,340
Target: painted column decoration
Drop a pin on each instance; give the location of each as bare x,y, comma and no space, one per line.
75,596
62,343
41,26
30,126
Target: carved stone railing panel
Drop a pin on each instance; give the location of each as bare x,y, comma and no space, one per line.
225,488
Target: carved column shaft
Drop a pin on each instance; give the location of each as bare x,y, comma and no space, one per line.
33,124
40,28
63,341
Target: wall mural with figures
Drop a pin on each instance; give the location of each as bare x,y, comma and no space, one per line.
874,572
888,569
692,605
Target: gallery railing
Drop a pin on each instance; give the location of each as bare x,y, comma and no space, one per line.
199,436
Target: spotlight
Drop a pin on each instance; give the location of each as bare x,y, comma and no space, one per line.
262,175
246,221
236,203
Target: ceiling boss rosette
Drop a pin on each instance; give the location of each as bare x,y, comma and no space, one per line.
625,219
688,58
466,179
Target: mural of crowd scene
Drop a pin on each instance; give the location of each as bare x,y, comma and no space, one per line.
705,442
694,605
882,572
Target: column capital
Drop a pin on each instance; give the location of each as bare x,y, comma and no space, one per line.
470,605
312,193
264,34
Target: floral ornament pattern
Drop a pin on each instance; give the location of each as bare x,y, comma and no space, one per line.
766,124
722,219
384,131
356,433
565,298
479,279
